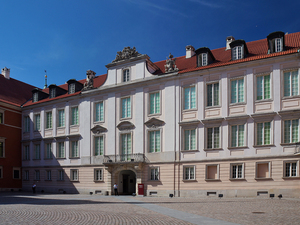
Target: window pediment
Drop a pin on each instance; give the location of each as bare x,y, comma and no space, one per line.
125,125
154,122
189,122
98,129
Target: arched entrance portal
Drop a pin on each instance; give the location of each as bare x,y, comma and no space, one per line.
127,182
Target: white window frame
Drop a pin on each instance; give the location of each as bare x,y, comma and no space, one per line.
126,157
238,52
35,97
101,115
96,137
207,169
52,93
213,94
263,137
74,121
72,88
189,177
71,147
237,139
184,129
291,162
237,165
156,111
126,116
58,150
125,77
263,87
154,173
19,170
48,115
237,100
37,122
74,174
98,174
256,170
189,103
276,47
290,130
290,94
160,140
204,59
59,119
213,137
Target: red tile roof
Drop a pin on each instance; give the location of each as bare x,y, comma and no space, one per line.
14,91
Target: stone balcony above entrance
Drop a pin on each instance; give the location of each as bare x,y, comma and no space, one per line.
128,158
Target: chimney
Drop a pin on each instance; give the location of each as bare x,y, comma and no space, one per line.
228,41
190,51
5,72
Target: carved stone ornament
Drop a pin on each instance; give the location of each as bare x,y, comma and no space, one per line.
153,122
170,64
89,83
98,129
125,125
126,53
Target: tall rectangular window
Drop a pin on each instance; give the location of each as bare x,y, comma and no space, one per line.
16,173
61,174
263,133
26,174
99,145
48,120
26,155
98,174
74,149
291,169
126,107
154,141
154,173
26,124
213,94
263,87
2,149
237,52
1,117
37,122
61,118
60,150
237,91
291,131
48,175
48,151
204,59
126,146
237,135
190,139
213,137
237,171
126,76
37,152
99,112
189,172
72,88
291,86
74,175
278,46
74,116
154,103
37,175
190,97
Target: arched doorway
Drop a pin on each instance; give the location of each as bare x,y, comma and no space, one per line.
127,181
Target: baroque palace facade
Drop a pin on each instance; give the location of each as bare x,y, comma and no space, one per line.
222,121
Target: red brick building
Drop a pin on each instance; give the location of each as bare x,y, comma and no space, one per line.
13,94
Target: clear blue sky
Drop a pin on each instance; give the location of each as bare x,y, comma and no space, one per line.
69,37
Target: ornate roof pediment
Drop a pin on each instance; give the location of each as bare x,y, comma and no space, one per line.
153,122
126,53
125,125
98,129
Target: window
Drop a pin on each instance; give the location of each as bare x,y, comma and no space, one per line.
126,107
189,139
213,137
61,175
291,169
155,103
37,153
48,175
237,52
237,91
99,112
237,171
37,122
212,172
26,155
72,88
74,149
16,173
238,135
154,141
263,170
1,117
263,133
2,152
61,118
291,86
154,173
26,124
74,175
213,94
37,175
189,172
48,151
74,116
204,59
35,97
1,172
60,150
126,75
278,45
98,174
26,174
263,87
126,146
52,92
48,120
190,97
99,145
291,131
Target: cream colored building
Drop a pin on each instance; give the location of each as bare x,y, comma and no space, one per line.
223,121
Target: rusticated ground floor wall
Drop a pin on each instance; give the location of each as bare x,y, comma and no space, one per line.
208,178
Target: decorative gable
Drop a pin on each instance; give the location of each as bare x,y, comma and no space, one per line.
153,122
125,125
98,129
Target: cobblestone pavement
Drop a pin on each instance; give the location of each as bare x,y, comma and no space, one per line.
25,208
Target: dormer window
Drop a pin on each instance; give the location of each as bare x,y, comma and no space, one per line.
52,92
72,88
204,59
239,49
205,56
126,76
276,42
35,97
237,52
278,45
38,95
